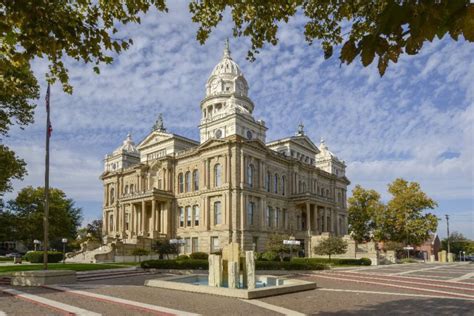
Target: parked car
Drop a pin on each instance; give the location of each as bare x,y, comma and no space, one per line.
13,255
470,258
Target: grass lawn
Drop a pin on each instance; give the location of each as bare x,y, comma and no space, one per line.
2,259
60,266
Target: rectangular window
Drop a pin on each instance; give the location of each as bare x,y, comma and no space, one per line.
127,221
250,213
181,217
215,244
255,243
285,219
195,244
277,218
197,215
189,216
187,245
196,180
217,213
268,216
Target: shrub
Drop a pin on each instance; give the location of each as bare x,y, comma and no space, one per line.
199,255
270,256
140,252
182,257
289,265
37,256
355,262
408,260
176,264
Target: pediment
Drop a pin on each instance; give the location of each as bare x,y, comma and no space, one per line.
304,141
154,137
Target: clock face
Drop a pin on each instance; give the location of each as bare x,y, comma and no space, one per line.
218,133
249,135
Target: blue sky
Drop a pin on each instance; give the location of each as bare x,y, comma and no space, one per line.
416,122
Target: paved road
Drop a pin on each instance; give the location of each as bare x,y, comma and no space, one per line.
422,289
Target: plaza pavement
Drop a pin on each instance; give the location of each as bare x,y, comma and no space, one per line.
421,289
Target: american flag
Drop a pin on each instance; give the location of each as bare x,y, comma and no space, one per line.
50,127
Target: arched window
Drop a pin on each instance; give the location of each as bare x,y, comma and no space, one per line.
283,183
126,189
180,183
112,195
250,213
196,180
217,213
197,215
217,175
187,179
275,184
268,181
250,175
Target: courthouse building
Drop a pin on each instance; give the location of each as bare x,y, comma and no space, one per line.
230,186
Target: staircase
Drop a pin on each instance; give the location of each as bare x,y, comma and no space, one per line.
109,274
105,254
5,281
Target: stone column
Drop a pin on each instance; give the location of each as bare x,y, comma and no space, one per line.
215,268
250,269
308,217
233,270
143,218
153,219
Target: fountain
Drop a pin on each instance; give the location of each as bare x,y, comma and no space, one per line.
226,279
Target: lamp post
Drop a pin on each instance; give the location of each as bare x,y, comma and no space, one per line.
291,241
36,242
64,241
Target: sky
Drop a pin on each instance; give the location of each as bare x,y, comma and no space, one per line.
415,122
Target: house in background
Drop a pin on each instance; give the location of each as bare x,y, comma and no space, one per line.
431,247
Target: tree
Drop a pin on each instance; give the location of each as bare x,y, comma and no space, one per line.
364,208
95,229
275,244
382,28
140,252
333,245
164,247
457,243
11,167
28,208
404,219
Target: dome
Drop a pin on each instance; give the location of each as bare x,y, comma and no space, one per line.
127,147
226,78
226,65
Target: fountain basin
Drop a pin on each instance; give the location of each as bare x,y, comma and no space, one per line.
267,285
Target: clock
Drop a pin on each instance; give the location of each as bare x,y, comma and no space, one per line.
249,134
218,133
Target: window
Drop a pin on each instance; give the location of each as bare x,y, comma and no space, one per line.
300,186
255,243
111,222
275,184
126,189
196,180
195,244
268,218
215,244
131,188
250,213
250,173
277,218
271,217
187,179
303,221
180,183
304,186
197,215
127,221
283,183
298,222
217,213
327,192
217,175
112,197
189,216
285,219
181,217
268,180
187,245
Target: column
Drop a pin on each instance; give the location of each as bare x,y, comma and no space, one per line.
204,174
325,219
122,216
242,169
308,217
152,229
133,219
143,219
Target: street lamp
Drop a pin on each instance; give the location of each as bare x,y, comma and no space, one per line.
64,241
36,242
291,241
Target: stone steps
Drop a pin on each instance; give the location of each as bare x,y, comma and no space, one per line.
109,274
5,280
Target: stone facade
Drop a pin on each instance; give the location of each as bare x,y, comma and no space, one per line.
231,186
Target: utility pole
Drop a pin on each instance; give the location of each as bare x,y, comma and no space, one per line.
46,185
447,226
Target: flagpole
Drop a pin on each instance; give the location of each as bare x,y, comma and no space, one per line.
46,185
